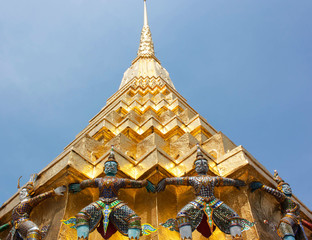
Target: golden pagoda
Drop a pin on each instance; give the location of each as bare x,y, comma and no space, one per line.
154,132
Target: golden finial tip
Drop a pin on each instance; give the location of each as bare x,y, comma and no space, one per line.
145,14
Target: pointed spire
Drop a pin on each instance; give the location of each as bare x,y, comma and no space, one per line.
146,65
145,14
146,48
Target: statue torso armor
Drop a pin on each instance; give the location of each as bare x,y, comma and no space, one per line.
203,185
290,206
109,186
22,211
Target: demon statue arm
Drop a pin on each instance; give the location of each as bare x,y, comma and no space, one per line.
129,183
172,181
77,187
258,185
5,226
221,181
125,183
38,199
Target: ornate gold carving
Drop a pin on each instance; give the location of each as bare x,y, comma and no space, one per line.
82,238
145,82
146,48
33,236
237,237
133,238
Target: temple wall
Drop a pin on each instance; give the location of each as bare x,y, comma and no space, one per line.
156,208
155,133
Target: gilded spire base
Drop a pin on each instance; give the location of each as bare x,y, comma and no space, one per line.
146,48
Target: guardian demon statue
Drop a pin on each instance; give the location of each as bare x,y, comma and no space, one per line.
22,226
290,226
205,208
110,214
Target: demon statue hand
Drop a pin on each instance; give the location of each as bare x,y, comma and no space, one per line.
109,214
23,227
290,226
205,209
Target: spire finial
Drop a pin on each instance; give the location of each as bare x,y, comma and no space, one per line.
145,14
146,48
145,64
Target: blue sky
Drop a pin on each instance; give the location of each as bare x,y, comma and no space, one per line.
243,65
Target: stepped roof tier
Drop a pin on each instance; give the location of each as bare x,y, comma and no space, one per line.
154,132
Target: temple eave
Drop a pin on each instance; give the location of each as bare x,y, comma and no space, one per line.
146,56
